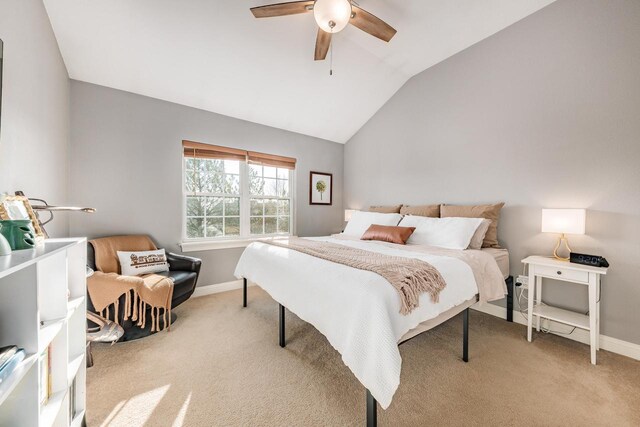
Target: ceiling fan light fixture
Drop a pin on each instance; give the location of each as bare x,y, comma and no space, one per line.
332,16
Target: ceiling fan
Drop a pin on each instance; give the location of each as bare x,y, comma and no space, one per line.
331,16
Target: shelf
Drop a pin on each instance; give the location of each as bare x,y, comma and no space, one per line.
35,306
563,316
49,412
22,258
48,332
7,386
74,366
77,420
73,305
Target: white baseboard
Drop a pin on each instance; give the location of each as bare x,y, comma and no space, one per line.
217,288
613,345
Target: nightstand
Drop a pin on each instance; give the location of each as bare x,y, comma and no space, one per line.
546,267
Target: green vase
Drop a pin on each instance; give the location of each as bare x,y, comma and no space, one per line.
5,247
19,233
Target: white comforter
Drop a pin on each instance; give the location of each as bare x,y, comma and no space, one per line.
357,310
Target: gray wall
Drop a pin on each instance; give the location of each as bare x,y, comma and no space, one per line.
34,128
545,113
126,161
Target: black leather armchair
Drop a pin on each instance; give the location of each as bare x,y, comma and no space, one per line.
184,270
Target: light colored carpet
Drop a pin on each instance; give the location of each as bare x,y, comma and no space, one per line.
221,366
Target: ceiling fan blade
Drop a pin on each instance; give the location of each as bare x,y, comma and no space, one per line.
371,24
323,41
282,9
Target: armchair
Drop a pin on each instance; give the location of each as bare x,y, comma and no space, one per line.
184,271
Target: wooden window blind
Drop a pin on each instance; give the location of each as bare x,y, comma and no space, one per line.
208,151
271,160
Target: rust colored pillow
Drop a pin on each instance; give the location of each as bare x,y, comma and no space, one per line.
432,211
388,233
385,209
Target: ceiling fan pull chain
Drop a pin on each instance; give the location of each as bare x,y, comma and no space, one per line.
331,60
331,54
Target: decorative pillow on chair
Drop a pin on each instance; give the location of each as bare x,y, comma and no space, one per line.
143,262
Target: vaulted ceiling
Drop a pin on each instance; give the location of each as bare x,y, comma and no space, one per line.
214,55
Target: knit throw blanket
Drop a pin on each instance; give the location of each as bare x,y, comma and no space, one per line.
409,277
106,286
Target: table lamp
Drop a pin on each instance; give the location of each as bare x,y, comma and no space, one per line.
563,221
347,214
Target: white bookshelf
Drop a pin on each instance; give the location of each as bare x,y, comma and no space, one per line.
43,303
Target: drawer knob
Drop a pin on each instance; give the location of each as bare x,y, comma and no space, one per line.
559,272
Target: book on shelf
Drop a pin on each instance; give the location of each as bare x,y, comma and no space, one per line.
10,358
7,353
44,382
72,400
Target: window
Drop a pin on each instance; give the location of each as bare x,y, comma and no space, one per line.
213,197
269,202
230,193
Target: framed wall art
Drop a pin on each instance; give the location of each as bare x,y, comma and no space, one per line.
320,188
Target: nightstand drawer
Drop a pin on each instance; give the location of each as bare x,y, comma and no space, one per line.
562,273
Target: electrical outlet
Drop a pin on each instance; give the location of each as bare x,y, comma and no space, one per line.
522,281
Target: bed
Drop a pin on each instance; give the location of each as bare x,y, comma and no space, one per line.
358,310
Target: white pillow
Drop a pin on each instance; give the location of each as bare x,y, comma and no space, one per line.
450,233
478,236
361,221
142,262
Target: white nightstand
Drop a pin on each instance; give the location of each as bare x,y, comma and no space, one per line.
546,267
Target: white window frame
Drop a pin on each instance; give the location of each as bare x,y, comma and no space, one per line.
226,242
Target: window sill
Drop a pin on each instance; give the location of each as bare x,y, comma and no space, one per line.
209,245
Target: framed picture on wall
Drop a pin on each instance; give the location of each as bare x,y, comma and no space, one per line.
320,188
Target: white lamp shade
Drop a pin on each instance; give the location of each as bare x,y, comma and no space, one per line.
564,221
347,214
337,12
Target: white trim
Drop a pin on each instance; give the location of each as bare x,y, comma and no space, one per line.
293,226
613,345
206,245
217,288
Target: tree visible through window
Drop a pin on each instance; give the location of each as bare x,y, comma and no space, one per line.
269,190
213,197
227,198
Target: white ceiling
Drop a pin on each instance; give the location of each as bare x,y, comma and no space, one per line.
214,55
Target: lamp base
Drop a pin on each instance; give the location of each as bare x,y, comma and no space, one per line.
561,239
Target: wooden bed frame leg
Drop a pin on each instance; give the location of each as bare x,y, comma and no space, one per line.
282,341
244,292
465,333
372,410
